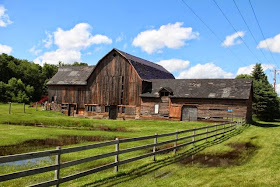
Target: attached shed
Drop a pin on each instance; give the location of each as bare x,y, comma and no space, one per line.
193,99
69,85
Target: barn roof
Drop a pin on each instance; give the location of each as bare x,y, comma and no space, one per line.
71,75
203,88
147,70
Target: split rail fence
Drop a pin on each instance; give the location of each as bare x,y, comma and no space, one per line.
203,133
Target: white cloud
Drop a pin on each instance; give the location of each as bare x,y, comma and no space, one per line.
233,39
78,37
49,40
208,70
273,44
170,36
4,18
248,69
5,49
35,51
174,65
70,43
53,57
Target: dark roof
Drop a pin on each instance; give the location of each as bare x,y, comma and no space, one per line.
147,70
71,75
203,88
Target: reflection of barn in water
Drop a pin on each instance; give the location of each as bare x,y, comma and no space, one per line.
125,86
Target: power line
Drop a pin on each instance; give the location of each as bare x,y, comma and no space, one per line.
248,28
262,31
220,40
236,30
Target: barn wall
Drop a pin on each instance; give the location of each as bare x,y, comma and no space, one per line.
68,94
114,82
148,108
207,108
213,108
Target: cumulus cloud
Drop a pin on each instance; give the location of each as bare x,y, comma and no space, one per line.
271,43
170,36
53,57
78,37
208,70
5,49
4,18
248,69
174,65
233,39
70,43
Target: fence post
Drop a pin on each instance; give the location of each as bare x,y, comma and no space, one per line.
193,139
57,162
10,107
36,106
117,155
154,149
224,128
23,107
206,134
175,143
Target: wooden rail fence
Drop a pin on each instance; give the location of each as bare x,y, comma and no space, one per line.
210,132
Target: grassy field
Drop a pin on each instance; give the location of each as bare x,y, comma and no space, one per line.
247,157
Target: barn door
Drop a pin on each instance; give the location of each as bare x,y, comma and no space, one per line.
189,113
113,112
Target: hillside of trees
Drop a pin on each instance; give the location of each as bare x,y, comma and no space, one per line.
24,81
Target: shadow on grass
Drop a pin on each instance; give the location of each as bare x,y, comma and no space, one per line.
264,125
153,166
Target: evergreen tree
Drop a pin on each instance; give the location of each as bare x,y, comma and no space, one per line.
265,100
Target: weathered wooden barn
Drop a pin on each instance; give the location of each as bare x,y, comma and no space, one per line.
124,86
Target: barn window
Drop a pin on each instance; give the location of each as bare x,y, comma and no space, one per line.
164,93
156,108
123,109
107,108
93,108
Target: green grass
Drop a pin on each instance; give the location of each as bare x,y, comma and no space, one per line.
260,168
18,128
256,168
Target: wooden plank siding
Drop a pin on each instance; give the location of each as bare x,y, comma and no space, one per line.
207,108
68,94
113,76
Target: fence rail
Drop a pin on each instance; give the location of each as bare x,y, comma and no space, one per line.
225,128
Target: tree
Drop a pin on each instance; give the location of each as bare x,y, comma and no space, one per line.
17,92
243,76
265,100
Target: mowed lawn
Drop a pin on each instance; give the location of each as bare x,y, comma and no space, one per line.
248,157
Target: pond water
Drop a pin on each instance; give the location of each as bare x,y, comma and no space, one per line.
29,161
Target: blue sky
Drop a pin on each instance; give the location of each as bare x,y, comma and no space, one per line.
165,32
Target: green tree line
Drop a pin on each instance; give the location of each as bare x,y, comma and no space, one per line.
25,81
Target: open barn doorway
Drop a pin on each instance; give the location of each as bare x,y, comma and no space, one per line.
189,113
113,112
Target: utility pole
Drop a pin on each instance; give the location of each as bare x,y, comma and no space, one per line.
274,78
